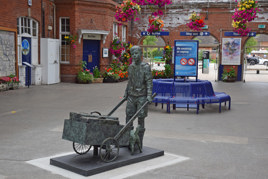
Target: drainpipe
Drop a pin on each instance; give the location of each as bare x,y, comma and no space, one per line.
43,19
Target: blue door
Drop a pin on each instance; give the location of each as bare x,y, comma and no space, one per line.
91,53
26,57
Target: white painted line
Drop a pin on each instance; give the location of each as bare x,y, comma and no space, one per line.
118,173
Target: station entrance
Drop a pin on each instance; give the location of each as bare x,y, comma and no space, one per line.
255,59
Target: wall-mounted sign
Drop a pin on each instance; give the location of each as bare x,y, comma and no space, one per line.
186,57
92,36
195,33
105,52
261,26
250,34
25,47
162,33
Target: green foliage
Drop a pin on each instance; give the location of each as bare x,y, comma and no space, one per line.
96,72
228,73
197,39
150,40
167,71
200,55
84,74
167,53
250,42
156,52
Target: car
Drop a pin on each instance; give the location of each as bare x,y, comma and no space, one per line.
263,61
253,60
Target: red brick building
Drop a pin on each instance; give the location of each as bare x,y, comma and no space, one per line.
94,24
91,21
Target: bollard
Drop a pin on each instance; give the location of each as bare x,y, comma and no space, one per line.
258,71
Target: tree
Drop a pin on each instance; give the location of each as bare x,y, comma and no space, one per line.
250,42
150,40
157,52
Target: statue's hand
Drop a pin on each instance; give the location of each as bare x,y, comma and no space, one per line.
150,99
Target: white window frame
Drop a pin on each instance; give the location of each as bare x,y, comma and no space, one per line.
124,33
115,30
24,23
32,32
66,46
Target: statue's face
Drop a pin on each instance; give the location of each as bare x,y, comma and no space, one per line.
136,55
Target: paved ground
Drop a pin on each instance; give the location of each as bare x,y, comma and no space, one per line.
228,145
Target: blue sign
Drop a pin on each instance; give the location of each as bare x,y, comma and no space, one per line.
250,34
25,47
161,33
195,33
186,57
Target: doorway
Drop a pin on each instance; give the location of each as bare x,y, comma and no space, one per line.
26,57
256,59
91,53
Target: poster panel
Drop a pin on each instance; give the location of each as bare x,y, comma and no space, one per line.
186,58
231,51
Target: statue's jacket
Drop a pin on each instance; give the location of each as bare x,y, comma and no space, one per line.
139,80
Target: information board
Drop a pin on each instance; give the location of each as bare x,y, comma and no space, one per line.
186,58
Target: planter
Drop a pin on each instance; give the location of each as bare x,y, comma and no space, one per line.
98,80
233,79
123,79
3,87
83,82
109,80
12,86
15,86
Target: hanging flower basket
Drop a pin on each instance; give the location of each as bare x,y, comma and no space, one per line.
155,24
196,22
116,47
127,11
167,54
71,40
245,12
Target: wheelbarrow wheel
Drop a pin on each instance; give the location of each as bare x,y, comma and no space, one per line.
109,150
81,148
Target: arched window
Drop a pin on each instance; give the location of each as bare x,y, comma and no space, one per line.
27,25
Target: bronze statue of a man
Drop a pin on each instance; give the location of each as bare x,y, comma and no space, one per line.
139,88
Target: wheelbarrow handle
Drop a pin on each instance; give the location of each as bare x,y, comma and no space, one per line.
117,106
118,135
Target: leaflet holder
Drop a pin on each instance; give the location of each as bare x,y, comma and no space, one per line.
28,68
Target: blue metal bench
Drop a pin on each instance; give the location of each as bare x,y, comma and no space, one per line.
187,94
